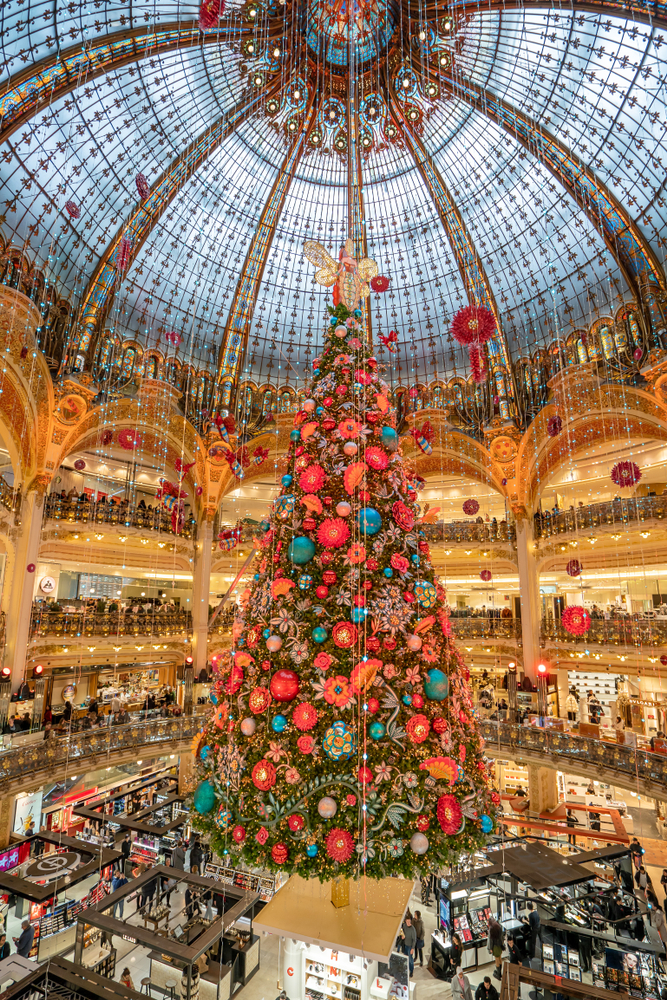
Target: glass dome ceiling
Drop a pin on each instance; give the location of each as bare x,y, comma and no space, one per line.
513,157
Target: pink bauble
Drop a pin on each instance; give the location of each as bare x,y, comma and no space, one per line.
350,448
414,643
284,685
248,727
327,807
273,643
343,509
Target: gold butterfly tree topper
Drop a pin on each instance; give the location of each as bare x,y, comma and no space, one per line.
349,277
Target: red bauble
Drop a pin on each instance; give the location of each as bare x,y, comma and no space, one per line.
367,584
309,523
389,642
284,685
279,853
417,701
326,558
485,575
329,423
327,501
373,705
439,724
373,644
408,597
329,576
663,660
322,592
365,776
423,823
554,426
573,568
328,400
470,507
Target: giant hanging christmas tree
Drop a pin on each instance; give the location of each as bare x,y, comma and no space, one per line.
343,739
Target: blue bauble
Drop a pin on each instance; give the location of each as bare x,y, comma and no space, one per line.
256,577
266,633
264,525
316,372
388,572
305,581
389,438
376,730
407,699
333,321
278,723
301,549
415,558
204,797
358,615
487,824
369,521
213,697
319,634
286,480
436,685
357,314
204,752
311,850
295,435
339,741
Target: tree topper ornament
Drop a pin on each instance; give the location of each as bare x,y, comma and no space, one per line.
350,277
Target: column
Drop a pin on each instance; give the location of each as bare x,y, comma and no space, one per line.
6,819
19,603
542,788
200,593
530,596
186,765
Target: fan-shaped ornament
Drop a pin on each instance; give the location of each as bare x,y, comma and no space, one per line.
625,474
143,188
472,327
123,254
73,209
554,426
210,13
573,568
575,620
470,507
379,283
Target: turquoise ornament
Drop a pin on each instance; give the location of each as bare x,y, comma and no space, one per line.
407,699
388,572
301,550
295,435
339,742
264,525
320,634
311,850
286,479
305,581
389,438
426,594
204,752
278,723
224,819
436,685
487,824
369,521
415,558
256,577
204,798
320,411
357,314
332,322
376,730
213,697
284,505
358,615
266,633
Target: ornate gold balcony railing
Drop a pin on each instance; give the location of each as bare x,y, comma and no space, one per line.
621,513
118,514
618,631
486,628
114,623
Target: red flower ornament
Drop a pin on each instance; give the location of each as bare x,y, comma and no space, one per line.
472,327
304,716
340,845
449,814
625,474
470,507
264,775
333,532
575,620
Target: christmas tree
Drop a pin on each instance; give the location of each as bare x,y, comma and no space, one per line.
343,739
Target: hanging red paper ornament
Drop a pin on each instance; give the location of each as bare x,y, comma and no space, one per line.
663,660
554,426
210,13
123,254
470,507
73,209
128,439
573,568
472,327
30,567
143,189
575,620
485,575
107,437
380,283
79,465
625,474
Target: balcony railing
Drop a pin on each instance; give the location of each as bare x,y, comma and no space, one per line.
115,623
119,514
90,745
485,628
566,749
628,631
615,512
470,531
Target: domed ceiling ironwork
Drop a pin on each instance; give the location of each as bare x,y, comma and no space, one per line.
510,155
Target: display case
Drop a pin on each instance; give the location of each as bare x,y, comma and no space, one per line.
630,972
265,885
329,973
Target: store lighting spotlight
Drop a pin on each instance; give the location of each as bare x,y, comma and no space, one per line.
541,668
38,670
512,665
5,673
188,661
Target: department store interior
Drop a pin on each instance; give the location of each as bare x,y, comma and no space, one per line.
333,500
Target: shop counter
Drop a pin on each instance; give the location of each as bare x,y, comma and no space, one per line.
214,984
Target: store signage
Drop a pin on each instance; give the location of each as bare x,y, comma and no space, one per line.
47,584
126,937
53,866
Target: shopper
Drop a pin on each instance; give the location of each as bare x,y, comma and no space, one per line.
516,951
658,921
461,988
572,821
178,856
455,955
594,818
571,706
418,925
642,881
196,858
126,979
619,725
24,942
534,928
125,850
4,947
495,945
636,851
663,883
486,990
409,942
117,882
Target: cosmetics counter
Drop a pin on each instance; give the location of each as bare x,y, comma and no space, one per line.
465,913
265,885
636,973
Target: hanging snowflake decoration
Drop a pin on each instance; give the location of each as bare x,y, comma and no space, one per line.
73,209
143,188
573,568
554,426
472,327
470,507
575,620
210,13
625,474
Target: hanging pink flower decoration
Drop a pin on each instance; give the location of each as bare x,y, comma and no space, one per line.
625,474
210,13
470,507
123,254
554,426
485,575
128,439
472,327
143,189
573,568
575,620
73,209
